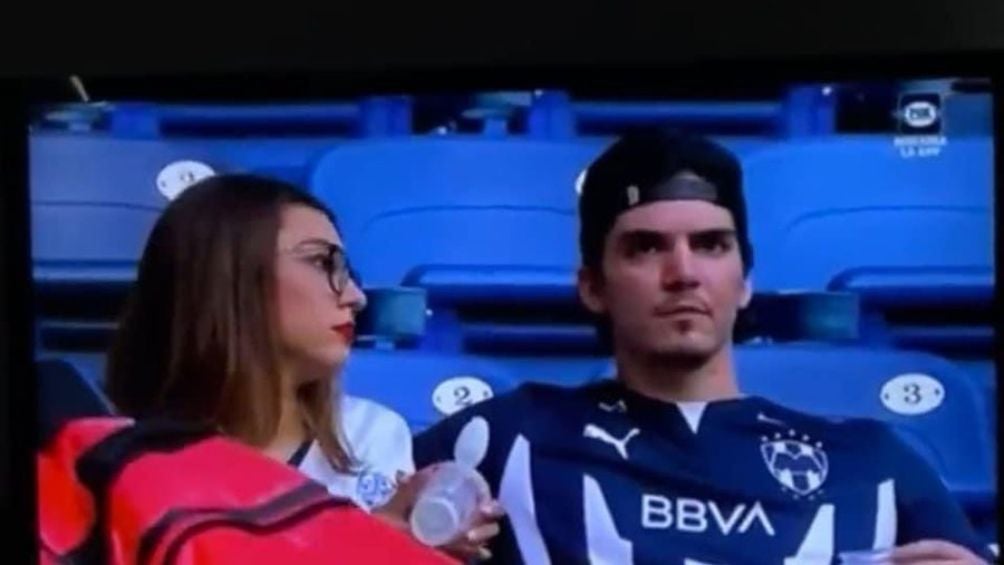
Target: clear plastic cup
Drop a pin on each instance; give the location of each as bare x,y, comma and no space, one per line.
866,557
448,503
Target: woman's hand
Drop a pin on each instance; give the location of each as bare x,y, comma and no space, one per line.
471,544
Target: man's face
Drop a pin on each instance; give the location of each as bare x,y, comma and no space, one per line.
672,279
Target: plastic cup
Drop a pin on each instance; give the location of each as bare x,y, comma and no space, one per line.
447,504
866,557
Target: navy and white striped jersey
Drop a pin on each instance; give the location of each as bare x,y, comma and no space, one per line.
600,474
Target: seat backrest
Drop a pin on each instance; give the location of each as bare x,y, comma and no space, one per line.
95,197
423,386
561,370
928,400
868,207
406,203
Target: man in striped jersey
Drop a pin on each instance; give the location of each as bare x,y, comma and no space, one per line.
670,462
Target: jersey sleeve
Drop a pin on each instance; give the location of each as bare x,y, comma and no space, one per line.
438,442
925,508
480,434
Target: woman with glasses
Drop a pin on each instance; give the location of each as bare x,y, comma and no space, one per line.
241,317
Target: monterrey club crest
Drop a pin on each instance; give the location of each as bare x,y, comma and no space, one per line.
797,463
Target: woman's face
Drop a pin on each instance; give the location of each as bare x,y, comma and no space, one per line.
316,299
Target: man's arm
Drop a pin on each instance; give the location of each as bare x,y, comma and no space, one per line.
439,442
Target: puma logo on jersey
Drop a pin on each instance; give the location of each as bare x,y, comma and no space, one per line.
592,431
618,406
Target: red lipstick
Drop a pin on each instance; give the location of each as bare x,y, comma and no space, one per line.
347,331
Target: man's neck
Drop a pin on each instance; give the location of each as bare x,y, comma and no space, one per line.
679,379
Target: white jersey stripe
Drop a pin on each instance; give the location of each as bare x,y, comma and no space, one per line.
516,496
885,516
604,544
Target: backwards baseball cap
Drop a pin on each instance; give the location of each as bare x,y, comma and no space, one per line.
648,166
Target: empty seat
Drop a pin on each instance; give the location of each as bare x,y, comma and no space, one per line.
414,202
423,386
868,207
95,196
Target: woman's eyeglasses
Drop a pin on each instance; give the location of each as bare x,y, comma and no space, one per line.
331,259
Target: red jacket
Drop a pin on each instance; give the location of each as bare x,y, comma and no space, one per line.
113,492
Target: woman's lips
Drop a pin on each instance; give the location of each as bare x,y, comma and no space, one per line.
346,331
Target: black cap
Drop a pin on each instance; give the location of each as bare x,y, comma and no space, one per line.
646,166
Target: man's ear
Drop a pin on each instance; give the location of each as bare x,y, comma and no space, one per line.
590,286
747,291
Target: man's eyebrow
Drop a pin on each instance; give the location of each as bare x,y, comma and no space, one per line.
641,234
714,232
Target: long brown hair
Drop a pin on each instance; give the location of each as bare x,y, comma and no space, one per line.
197,341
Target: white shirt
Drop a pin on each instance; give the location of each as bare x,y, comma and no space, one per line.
379,439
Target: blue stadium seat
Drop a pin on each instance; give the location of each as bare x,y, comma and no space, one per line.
94,197
560,370
804,110
408,203
423,386
909,235
868,207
